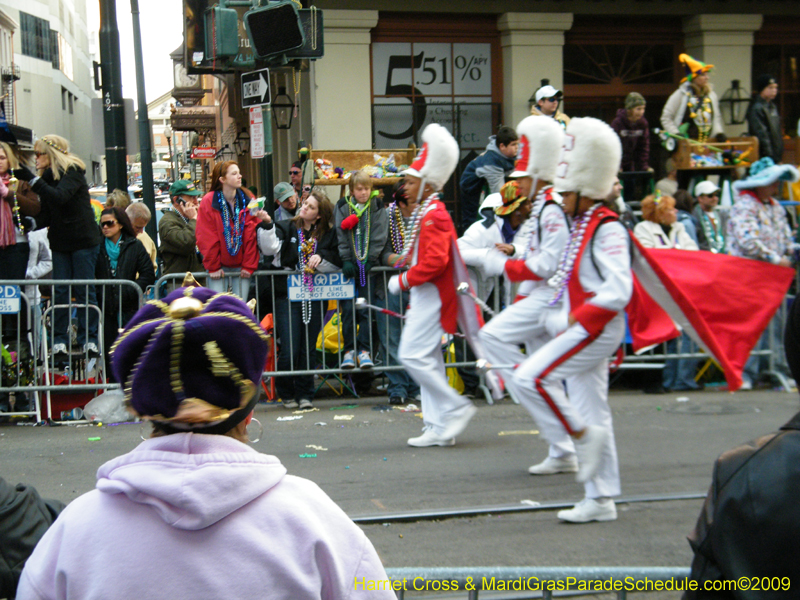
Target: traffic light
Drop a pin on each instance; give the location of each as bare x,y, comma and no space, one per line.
222,32
274,29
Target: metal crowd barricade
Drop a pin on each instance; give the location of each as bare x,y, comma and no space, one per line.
326,363
541,582
35,330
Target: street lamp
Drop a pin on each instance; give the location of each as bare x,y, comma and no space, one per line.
242,142
734,103
168,135
282,109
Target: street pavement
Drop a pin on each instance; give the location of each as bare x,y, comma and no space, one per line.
666,448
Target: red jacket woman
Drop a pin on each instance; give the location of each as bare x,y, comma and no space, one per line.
226,232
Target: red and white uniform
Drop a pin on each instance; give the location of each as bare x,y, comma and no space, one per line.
597,293
531,320
478,240
433,311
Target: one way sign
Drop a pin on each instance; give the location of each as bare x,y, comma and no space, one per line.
255,88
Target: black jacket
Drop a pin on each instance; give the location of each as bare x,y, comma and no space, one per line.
24,518
133,261
286,230
750,523
764,122
67,209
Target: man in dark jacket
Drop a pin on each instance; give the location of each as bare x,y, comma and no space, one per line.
487,172
750,523
176,230
763,120
24,518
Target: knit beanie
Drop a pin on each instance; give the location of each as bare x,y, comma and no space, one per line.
762,81
633,100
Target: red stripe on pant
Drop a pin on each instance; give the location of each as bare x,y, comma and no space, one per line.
540,388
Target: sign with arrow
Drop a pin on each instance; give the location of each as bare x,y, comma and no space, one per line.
255,88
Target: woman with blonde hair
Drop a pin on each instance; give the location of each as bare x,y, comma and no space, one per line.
74,235
226,232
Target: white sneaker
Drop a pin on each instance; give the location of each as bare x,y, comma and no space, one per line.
746,386
456,425
429,438
589,509
590,451
551,466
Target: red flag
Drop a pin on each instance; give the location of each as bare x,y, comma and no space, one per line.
470,319
723,302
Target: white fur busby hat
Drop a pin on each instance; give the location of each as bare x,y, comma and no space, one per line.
437,159
590,159
540,142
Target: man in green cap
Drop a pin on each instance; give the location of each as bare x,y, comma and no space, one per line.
176,230
286,198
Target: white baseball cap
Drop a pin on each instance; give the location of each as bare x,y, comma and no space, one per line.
547,91
705,187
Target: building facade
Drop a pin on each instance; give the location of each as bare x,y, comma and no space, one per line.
49,80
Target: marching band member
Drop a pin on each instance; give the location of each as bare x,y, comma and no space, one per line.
595,282
432,254
530,320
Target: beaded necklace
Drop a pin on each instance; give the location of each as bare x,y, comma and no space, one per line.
360,239
233,224
562,276
700,113
416,221
12,184
397,228
716,238
306,248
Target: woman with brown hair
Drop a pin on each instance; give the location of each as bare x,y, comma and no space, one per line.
306,243
226,232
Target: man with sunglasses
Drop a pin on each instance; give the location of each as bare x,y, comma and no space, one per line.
296,178
547,100
712,221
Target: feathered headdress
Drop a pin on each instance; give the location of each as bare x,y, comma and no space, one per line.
437,159
540,141
590,159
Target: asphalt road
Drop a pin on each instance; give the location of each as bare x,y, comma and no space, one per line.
666,448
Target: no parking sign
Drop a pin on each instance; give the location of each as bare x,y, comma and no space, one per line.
9,299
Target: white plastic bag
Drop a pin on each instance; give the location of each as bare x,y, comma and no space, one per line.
108,407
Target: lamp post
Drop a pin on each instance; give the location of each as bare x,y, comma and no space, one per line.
242,142
282,109
168,135
734,103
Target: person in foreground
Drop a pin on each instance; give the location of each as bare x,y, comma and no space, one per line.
750,522
194,512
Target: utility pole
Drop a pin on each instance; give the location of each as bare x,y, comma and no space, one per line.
145,149
113,108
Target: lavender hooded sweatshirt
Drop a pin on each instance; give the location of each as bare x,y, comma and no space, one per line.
201,516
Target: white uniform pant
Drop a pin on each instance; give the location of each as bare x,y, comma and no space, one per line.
421,355
583,362
525,322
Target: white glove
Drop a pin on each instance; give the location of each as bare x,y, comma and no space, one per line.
394,285
494,263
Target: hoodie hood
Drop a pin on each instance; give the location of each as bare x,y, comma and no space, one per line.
191,480
492,146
